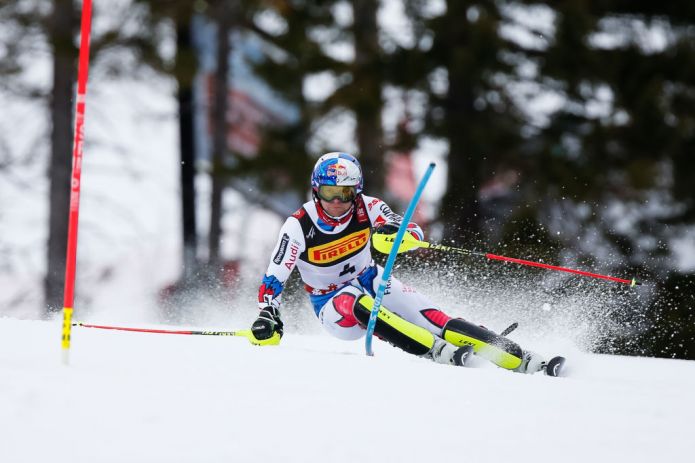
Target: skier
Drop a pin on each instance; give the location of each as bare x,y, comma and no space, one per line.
328,240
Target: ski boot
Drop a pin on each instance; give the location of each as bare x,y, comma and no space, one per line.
554,366
532,362
444,352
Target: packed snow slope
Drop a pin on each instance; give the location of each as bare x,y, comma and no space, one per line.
131,397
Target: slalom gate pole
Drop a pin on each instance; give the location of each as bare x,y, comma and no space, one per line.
70,263
242,333
384,243
385,276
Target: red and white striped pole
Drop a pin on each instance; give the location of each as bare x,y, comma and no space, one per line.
70,264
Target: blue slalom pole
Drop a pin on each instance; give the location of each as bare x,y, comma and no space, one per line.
392,258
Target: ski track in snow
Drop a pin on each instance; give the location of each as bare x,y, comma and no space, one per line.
132,397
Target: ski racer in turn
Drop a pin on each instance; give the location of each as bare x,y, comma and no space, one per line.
328,241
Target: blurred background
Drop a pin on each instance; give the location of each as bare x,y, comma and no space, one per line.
563,132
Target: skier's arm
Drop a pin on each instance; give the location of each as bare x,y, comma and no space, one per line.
284,258
385,221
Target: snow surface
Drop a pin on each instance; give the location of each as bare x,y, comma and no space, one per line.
132,397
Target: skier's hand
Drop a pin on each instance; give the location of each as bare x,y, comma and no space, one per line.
386,229
413,230
267,324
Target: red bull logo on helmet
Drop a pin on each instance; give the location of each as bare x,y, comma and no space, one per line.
336,170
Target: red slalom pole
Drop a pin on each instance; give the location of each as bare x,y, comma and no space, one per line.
70,263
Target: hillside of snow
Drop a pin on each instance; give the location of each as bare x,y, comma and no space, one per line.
133,397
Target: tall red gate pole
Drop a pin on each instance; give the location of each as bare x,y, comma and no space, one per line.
82,73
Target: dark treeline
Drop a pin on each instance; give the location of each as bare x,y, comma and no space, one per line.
580,114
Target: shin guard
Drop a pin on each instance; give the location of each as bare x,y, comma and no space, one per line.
394,329
487,344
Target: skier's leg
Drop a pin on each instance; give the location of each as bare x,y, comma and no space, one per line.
408,303
337,317
408,336
487,344
417,308
394,329
344,318
347,313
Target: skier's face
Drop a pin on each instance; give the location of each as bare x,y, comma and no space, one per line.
335,207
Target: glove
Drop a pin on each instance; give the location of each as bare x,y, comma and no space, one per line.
413,230
267,324
386,229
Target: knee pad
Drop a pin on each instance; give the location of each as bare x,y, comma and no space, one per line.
487,344
337,315
393,329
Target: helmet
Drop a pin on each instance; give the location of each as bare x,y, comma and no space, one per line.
340,169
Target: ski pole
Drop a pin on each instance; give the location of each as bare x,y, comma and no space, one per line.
392,259
274,340
384,244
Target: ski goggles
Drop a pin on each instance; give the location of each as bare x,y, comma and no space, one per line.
345,194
